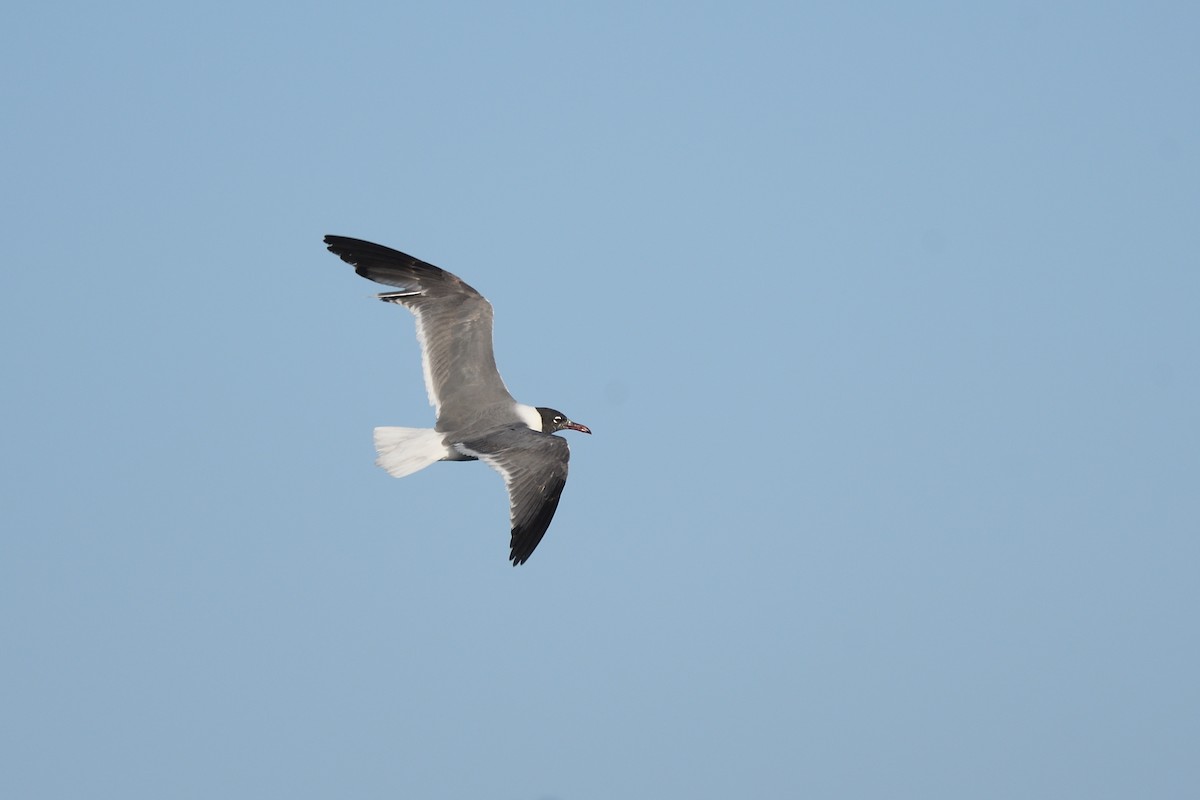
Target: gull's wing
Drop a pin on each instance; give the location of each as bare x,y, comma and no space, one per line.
534,468
454,328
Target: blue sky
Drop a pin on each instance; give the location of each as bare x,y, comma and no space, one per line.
885,319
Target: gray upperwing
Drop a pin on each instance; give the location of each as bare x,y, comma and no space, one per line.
454,328
534,468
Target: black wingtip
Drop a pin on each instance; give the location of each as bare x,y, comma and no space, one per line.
344,246
391,267
519,550
526,538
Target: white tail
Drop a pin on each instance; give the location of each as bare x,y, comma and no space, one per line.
403,451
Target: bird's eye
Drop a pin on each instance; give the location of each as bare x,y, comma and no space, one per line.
557,420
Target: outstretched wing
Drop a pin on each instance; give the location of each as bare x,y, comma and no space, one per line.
454,328
534,468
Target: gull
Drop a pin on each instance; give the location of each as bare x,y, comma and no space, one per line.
477,418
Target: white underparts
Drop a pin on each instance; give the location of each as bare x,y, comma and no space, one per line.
403,451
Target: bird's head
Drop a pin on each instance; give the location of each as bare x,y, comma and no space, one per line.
553,421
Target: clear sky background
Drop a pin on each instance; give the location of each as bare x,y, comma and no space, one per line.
886,318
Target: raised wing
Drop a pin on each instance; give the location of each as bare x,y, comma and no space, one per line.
454,328
534,468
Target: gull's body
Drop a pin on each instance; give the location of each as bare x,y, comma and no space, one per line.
477,418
